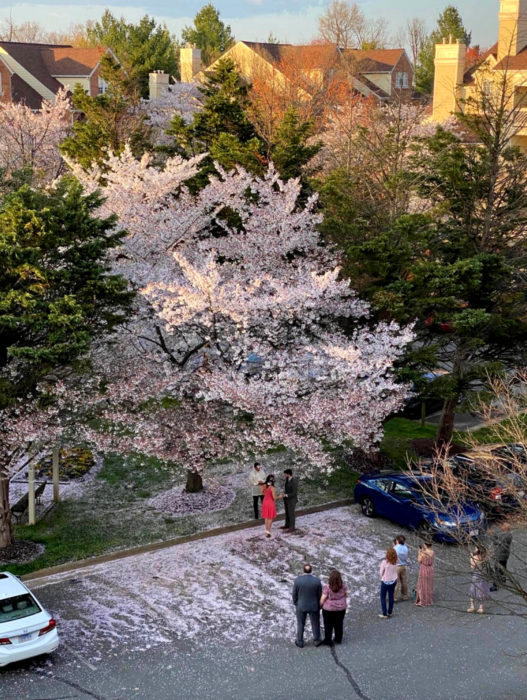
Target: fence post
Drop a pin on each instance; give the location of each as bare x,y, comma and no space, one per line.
56,455
31,494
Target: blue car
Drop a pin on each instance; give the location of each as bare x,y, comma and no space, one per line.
403,498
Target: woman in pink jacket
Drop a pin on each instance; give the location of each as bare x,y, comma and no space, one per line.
333,603
388,580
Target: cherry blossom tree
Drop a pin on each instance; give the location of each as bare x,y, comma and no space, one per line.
244,336
30,140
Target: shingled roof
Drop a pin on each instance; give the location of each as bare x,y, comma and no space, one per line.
46,62
67,61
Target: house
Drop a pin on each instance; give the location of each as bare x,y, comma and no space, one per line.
504,65
382,73
30,73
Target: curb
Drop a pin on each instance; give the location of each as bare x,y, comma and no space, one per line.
154,546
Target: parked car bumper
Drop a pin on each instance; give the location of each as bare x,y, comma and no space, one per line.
10,653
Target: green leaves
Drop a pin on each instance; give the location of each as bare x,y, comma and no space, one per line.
209,34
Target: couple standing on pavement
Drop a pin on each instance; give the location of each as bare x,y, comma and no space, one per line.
262,488
309,598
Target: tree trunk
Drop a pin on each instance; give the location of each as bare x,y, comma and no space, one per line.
194,482
6,528
446,425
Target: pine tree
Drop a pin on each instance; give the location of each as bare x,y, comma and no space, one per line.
449,26
209,34
108,121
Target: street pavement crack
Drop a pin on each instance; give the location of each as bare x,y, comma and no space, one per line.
350,678
78,687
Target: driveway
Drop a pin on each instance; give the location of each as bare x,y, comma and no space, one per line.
213,619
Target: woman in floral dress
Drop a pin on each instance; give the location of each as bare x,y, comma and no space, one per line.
425,580
480,586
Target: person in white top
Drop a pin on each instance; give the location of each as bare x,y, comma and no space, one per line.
256,480
388,575
401,587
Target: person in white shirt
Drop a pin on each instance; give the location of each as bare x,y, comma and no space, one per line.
401,587
256,480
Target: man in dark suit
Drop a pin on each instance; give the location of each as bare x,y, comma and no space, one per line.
290,499
307,590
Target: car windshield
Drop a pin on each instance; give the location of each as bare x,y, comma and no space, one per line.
17,607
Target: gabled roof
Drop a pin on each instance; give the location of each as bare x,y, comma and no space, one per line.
278,53
46,62
374,60
469,74
518,62
68,61
31,57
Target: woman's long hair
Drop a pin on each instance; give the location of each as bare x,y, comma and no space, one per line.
335,581
269,481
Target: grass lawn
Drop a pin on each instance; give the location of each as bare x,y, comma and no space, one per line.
398,432
498,432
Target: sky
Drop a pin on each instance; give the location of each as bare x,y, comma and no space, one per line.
291,21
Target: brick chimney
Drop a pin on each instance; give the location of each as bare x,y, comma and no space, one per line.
189,63
450,59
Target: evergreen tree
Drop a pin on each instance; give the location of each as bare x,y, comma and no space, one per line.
457,268
209,34
221,128
291,151
56,293
449,26
141,48
109,120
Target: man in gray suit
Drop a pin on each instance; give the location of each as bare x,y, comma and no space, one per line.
290,499
307,590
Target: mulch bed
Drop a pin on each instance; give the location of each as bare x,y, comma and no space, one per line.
20,552
177,502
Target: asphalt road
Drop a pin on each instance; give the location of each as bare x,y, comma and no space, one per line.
437,653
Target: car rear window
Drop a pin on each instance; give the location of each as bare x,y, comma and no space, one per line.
17,607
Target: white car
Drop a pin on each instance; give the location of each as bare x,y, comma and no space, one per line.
26,629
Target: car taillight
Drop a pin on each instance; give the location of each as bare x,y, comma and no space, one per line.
496,494
5,641
50,626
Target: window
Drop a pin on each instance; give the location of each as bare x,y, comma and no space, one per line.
19,606
384,484
401,490
103,86
401,81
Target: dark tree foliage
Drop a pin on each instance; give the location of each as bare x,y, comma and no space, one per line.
209,34
56,290
141,48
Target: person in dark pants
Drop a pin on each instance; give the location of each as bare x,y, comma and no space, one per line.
333,603
307,591
256,480
501,552
388,573
290,499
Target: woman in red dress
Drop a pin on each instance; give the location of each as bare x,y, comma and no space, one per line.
268,504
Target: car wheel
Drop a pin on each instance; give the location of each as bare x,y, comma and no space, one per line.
367,507
425,530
